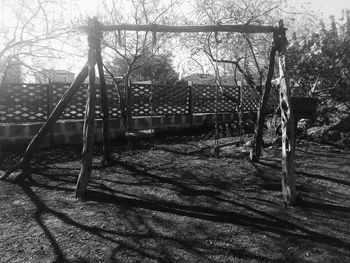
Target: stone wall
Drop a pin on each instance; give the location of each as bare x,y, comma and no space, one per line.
70,131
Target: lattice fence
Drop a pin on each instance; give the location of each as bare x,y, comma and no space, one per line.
251,99
204,99
171,100
20,103
32,102
114,100
148,100
76,108
141,100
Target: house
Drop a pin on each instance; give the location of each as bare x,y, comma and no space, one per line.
108,80
199,78
206,79
54,75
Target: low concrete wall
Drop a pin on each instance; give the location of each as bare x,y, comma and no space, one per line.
70,131
64,132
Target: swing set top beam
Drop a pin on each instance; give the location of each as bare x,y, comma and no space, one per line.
191,28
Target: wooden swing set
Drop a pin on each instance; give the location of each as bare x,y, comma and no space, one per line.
95,30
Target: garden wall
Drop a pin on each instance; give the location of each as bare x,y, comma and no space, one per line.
70,131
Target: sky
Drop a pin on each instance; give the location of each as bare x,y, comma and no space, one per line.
85,8
331,7
327,7
323,7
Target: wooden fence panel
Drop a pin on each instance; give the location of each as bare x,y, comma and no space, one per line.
20,103
170,100
204,99
251,99
141,100
76,108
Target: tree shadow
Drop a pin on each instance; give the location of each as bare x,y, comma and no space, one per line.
310,175
43,209
276,224
323,207
322,177
267,223
236,212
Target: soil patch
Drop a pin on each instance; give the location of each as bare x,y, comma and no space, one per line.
167,202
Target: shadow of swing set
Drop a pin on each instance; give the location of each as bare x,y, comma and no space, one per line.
95,29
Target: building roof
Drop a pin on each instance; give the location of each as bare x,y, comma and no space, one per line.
58,71
199,76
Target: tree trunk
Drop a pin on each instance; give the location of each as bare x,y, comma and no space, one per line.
259,128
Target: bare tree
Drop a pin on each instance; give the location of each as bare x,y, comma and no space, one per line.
241,56
136,48
32,31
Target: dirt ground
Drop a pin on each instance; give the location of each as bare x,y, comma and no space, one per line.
173,202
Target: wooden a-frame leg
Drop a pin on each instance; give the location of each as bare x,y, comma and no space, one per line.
288,138
88,130
107,151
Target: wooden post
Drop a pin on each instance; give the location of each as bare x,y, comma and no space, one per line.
259,127
61,105
88,129
240,110
190,104
128,94
107,151
49,97
49,105
287,121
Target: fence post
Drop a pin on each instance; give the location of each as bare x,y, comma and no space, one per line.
190,103
128,94
240,109
49,105
49,99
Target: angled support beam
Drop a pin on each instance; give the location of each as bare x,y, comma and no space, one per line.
61,105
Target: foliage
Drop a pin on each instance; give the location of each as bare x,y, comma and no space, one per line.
320,64
244,57
134,50
157,68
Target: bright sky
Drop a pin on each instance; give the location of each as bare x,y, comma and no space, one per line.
328,7
324,7
85,8
331,7
93,7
